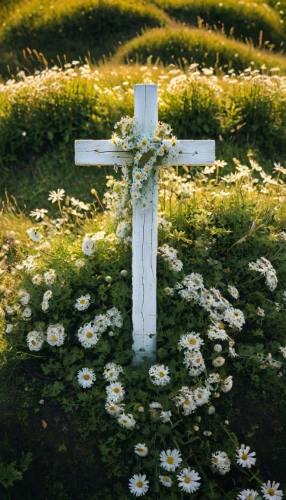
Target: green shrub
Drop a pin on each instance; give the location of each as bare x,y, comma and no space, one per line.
189,45
87,454
92,28
244,20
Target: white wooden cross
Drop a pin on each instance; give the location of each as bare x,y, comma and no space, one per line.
145,221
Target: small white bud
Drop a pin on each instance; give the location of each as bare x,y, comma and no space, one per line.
108,279
217,347
141,409
123,273
211,410
111,334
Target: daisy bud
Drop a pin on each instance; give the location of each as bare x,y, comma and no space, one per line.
108,279
217,347
141,409
111,334
196,428
123,273
211,410
41,402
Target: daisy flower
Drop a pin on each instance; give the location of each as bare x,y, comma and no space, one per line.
219,361
82,302
50,276
56,335
45,305
35,340
247,495
260,312
170,459
166,481
38,213
37,279
227,384
244,458
234,317
166,416
233,291
24,297
112,372
141,450
88,246
86,377
189,480
56,195
270,491
138,485
47,295
191,341
201,395
27,313
101,323
220,462
87,336
126,421
159,375
115,392
114,409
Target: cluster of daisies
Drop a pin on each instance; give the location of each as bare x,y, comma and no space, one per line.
55,336
115,393
188,480
148,149
90,333
169,254
264,267
219,309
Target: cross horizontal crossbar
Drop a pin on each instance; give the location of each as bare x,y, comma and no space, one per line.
90,152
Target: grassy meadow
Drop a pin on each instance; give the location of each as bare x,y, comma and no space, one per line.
67,72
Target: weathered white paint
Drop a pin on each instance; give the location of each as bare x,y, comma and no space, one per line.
145,230
145,238
107,153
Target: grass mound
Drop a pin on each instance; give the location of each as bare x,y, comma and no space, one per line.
76,29
245,20
189,44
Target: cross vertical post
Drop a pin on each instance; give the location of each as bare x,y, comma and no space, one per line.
145,237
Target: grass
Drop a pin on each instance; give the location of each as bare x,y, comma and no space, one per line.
196,45
78,29
41,117
242,20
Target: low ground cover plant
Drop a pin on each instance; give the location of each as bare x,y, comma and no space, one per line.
66,314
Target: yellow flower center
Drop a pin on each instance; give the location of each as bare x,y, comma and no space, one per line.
116,389
124,421
82,301
124,145
198,360
161,374
235,313
166,479
170,460
271,492
144,142
138,176
200,395
86,376
215,460
141,450
139,147
187,402
111,408
139,484
192,341
187,480
33,342
244,456
89,335
54,337
221,326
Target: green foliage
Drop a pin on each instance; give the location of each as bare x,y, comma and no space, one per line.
187,45
242,20
9,473
88,455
